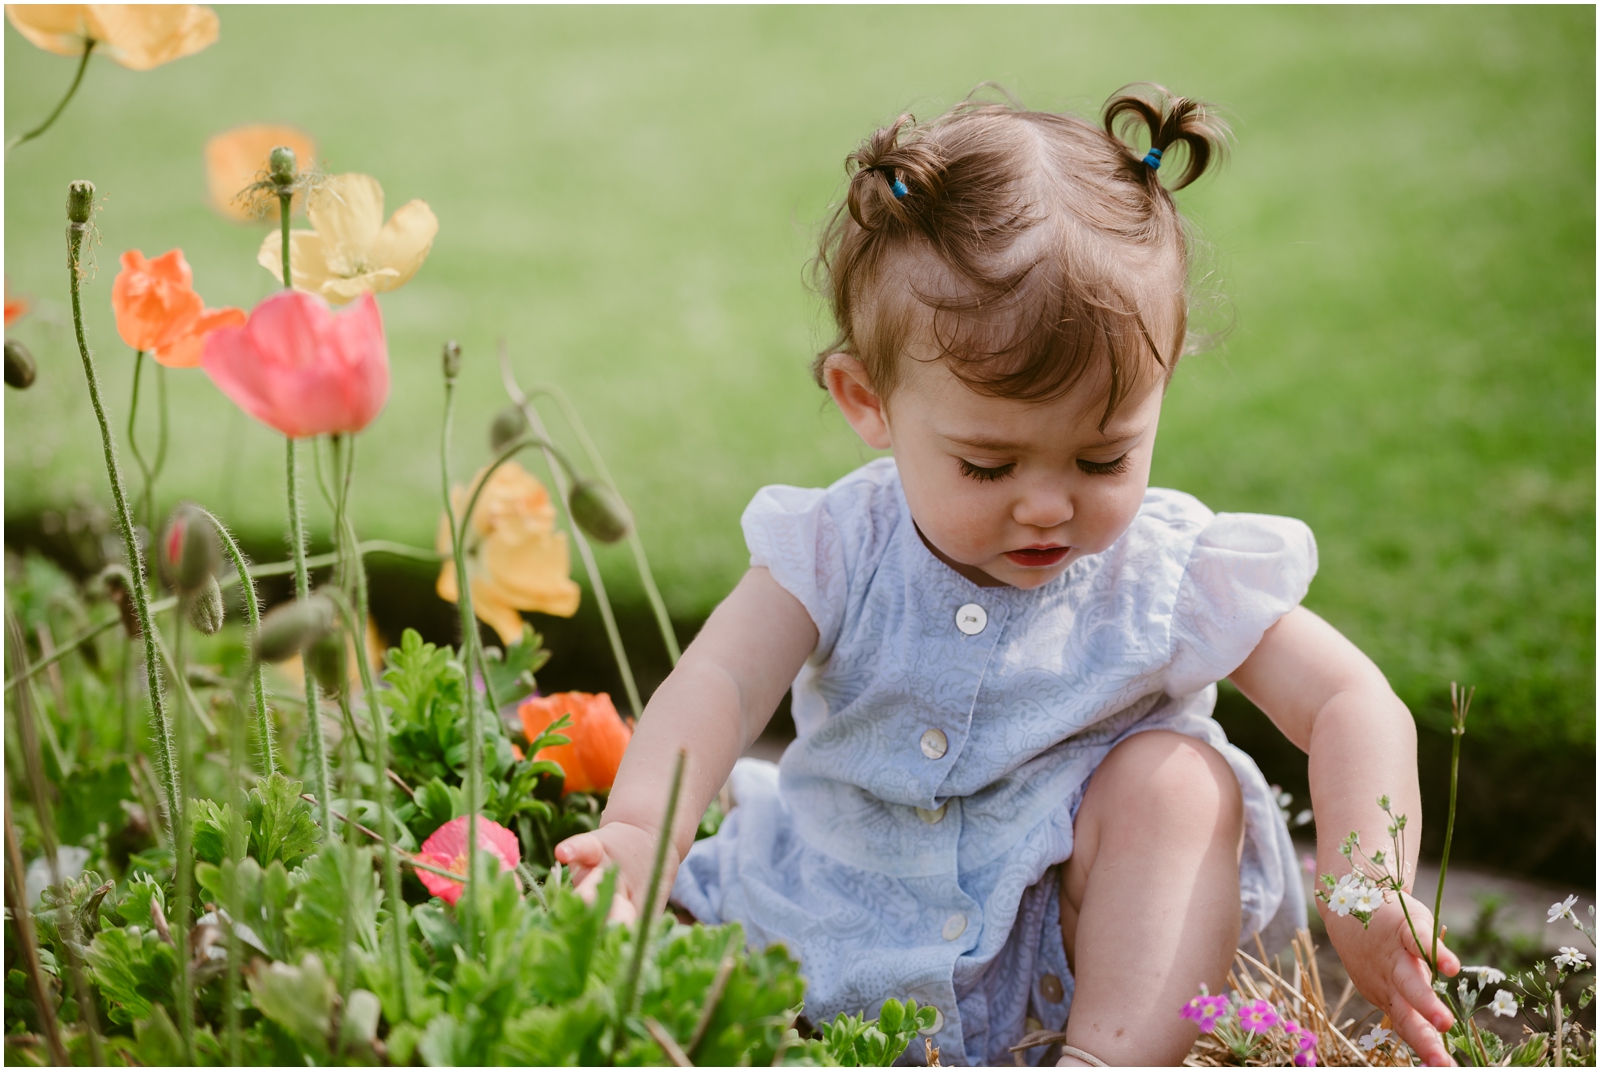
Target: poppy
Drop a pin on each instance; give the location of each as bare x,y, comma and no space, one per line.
598,737
158,311
447,849
236,158
138,36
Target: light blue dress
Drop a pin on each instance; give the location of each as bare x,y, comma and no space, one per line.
904,845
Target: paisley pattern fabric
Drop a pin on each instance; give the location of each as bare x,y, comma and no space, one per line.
905,844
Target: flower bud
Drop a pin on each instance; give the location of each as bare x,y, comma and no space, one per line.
20,368
293,626
119,588
510,424
452,359
325,661
599,510
80,201
189,553
282,166
205,608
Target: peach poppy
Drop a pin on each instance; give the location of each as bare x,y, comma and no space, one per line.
447,849
515,557
159,312
138,36
16,307
235,158
301,368
599,737
352,251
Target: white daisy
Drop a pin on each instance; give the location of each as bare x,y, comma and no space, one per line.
1503,1003
1561,909
1374,1037
1571,959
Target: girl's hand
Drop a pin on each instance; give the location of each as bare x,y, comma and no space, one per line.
628,848
1390,970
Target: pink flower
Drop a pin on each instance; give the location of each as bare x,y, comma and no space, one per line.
447,849
1204,1011
1257,1016
302,369
1306,1058
1303,1039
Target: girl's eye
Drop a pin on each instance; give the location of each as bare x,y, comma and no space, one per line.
971,471
1104,468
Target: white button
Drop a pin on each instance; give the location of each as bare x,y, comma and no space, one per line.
954,926
938,1024
933,817
971,618
934,744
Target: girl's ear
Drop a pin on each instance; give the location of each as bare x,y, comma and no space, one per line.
852,392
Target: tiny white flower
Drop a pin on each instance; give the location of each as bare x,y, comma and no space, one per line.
1374,1037
1561,909
1486,975
1503,1003
1368,899
1571,959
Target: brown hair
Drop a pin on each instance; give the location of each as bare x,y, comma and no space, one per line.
1033,247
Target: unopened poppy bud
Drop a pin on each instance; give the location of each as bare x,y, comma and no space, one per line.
205,609
293,626
452,359
282,166
189,553
599,510
80,201
20,368
325,661
119,587
510,424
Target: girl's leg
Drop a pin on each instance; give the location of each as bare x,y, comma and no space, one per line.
1150,898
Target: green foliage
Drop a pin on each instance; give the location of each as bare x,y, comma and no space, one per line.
854,1041
279,825
134,969
511,672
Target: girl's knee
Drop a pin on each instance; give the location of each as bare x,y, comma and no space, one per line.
1169,777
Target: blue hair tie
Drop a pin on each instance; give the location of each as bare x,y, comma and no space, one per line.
899,188
1153,159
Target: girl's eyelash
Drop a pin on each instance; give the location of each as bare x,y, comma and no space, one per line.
1104,468
975,472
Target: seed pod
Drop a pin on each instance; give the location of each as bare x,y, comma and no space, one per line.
20,366
119,587
291,627
80,201
599,510
282,166
189,553
510,424
325,661
205,608
452,359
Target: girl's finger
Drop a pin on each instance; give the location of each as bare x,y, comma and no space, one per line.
1411,985
585,850
1449,962
1415,1031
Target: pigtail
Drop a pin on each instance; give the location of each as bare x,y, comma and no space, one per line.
1169,121
893,182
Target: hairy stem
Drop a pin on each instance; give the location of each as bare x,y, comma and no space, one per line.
77,79
183,914
302,590
1460,702
269,761
146,503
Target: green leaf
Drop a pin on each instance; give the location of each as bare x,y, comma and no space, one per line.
281,826
511,674
325,890
134,969
299,999
135,906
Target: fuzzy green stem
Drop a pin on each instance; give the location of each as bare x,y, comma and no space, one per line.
22,920
1459,703
469,636
630,990
284,197
146,503
269,761
76,232
182,917
302,590
236,834
77,79
347,977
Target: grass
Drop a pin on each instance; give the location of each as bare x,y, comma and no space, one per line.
1405,237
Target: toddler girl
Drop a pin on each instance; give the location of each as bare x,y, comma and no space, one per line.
1008,799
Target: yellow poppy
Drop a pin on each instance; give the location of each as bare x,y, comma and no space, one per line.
515,557
235,158
138,36
352,251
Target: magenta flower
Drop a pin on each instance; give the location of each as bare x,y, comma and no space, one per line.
447,849
1307,1058
1303,1039
300,368
1257,1016
1204,1011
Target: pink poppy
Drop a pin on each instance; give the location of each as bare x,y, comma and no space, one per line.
1257,1016
447,849
301,368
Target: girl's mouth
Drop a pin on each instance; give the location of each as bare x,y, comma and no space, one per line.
1037,557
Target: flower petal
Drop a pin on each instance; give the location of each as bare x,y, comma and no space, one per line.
236,157
347,211
308,267
341,291
58,28
490,607
185,352
404,241
152,300
142,36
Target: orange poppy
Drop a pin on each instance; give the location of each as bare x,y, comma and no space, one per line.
235,159
159,312
138,36
15,306
599,737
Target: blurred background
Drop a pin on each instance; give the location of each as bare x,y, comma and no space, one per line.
1402,247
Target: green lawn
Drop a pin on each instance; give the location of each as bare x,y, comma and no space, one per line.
1405,237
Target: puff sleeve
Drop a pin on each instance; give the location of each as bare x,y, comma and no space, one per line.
1246,570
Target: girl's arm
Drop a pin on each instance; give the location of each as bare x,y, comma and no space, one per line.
714,704
1333,703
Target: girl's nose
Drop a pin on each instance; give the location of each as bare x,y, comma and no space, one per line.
1043,508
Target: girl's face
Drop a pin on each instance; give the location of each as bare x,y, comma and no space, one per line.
1006,491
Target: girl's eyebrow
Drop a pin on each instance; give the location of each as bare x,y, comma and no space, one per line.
984,442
